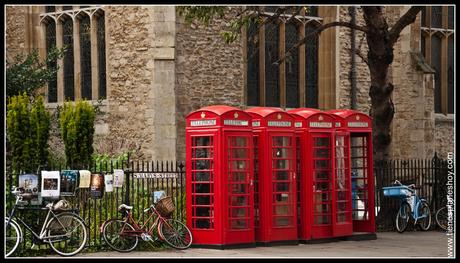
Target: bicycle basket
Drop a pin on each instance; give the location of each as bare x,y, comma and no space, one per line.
165,206
397,191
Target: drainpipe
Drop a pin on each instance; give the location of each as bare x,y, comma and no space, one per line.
352,12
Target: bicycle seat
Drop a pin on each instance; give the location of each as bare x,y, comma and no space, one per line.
124,207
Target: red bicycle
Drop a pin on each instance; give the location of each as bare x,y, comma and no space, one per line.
123,234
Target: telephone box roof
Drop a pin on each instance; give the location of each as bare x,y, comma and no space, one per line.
217,109
305,112
265,111
345,113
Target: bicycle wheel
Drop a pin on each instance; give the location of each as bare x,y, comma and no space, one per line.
12,237
441,218
402,218
113,236
67,234
425,216
175,233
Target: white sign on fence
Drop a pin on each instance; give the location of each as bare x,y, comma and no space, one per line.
154,175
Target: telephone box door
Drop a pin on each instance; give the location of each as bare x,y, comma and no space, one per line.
322,185
342,218
202,217
283,186
240,203
362,182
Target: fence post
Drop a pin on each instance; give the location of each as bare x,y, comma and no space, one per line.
182,188
129,170
436,179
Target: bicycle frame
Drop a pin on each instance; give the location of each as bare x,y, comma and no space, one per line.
42,235
139,230
418,202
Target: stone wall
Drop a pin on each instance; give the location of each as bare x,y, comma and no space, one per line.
15,31
413,124
159,69
208,72
140,88
444,135
363,80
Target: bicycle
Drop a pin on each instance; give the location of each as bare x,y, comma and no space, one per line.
65,231
410,206
441,217
123,234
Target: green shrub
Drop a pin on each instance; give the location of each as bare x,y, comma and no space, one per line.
103,161
40,128
27,73
76,123
28,125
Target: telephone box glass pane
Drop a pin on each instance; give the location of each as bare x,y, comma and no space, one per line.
282,169
322,188
359,177
282,221
202,182
321,153
256,180
282,210
239,200
238,181
321,142
281,164
281,175
239,224
282,141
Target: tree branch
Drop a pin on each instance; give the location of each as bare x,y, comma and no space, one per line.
361,55
319,30
407,19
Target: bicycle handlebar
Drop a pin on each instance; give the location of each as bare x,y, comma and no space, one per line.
16,190
408,186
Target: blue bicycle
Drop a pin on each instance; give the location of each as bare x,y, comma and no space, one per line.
411,206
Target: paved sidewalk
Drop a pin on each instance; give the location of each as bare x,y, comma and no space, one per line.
387,244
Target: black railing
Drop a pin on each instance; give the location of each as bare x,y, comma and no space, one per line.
141,179
430,175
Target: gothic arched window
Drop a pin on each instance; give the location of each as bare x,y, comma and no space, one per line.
437,27
85,57
67,41
50,44
292,82
82,73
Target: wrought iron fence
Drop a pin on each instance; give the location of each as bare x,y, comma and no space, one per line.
141,179
428,174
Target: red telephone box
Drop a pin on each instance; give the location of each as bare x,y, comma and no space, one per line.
359,126
219,177
275,194
325,194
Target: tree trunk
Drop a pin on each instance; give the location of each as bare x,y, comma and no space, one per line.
380,56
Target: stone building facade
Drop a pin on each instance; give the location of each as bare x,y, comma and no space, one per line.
158,69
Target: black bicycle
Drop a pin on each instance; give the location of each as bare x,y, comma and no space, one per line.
65,231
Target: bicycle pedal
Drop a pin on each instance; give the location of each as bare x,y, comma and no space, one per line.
146,237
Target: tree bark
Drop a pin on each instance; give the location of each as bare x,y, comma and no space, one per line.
380,41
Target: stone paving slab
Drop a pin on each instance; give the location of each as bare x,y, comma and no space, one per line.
388,244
